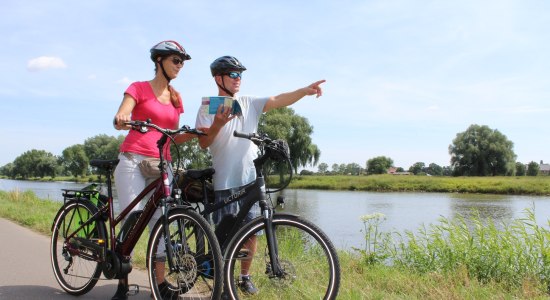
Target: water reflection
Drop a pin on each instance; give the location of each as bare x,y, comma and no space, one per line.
483,207
338,213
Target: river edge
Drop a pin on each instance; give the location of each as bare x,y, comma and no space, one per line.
500,185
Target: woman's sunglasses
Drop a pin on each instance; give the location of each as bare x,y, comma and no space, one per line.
234,75
177,61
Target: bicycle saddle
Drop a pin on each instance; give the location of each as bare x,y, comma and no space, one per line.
200,174
107,164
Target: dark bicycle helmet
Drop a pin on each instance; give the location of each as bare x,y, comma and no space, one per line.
226,64
166,48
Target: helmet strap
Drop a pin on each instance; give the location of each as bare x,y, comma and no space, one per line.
224,88
164,71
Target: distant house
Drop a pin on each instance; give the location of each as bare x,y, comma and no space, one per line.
393,171
544,169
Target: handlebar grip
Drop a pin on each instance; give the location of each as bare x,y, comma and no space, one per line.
243,135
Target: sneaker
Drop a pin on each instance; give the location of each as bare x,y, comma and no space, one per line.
167,293
246,286
121,292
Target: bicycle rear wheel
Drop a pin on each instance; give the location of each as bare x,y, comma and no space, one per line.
198,266
76,260
306,257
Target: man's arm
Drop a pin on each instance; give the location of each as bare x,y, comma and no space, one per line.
290,98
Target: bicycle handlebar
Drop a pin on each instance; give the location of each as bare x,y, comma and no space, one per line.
254,137
276,150
142,126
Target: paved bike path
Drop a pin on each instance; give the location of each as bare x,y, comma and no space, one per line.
26,272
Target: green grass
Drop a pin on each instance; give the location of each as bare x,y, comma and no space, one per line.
453,259
538,185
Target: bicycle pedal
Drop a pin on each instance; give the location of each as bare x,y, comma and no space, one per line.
133,289
243,253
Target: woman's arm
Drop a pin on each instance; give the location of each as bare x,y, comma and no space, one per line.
124,113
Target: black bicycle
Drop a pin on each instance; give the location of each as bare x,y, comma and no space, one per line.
294,258
182,247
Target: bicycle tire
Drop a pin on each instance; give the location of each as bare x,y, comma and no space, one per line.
197,256
307,257
77,265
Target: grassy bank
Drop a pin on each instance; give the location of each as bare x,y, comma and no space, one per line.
451,260
524,185
539,185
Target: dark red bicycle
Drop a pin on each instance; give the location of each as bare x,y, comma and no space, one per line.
182,247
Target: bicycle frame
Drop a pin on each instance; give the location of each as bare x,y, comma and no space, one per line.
250,194
160,189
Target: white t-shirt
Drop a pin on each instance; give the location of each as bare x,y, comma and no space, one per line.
232,156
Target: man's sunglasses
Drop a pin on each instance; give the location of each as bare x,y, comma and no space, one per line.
177,61
234,75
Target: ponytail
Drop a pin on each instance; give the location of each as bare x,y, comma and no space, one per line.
175,97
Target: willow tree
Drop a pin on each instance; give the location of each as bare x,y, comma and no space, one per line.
283,123
482,151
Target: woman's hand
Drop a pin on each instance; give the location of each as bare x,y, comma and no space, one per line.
119,121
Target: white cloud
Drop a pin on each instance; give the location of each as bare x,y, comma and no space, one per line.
44,63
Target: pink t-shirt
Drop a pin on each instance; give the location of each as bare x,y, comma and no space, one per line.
148,107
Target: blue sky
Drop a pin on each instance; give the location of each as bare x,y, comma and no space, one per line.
403,77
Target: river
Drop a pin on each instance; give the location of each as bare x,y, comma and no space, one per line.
339,213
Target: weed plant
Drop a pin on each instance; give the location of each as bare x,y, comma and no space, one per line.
513,255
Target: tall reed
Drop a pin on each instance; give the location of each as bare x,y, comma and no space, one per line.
513,254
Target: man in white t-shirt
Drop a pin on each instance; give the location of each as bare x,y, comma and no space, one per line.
233,157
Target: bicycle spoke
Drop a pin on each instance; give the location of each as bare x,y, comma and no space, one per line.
197,262
75,263
306,261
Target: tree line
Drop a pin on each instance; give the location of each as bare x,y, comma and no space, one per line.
478,151
280,123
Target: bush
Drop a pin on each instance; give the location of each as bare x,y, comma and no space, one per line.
306,172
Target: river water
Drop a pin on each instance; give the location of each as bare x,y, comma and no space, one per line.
339,213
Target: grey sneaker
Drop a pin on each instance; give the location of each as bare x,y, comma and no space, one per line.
246,286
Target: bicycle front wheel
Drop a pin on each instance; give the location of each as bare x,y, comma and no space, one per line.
76,250
307,261
197,269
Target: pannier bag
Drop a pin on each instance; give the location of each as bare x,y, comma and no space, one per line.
91,193
192,188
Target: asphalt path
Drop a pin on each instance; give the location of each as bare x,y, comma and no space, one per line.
26,271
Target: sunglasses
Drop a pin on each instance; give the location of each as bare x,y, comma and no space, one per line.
234,75
177,61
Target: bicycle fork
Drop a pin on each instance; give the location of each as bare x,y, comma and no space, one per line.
172,247
167,237
273,248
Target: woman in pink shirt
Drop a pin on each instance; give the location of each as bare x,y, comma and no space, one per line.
158,101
